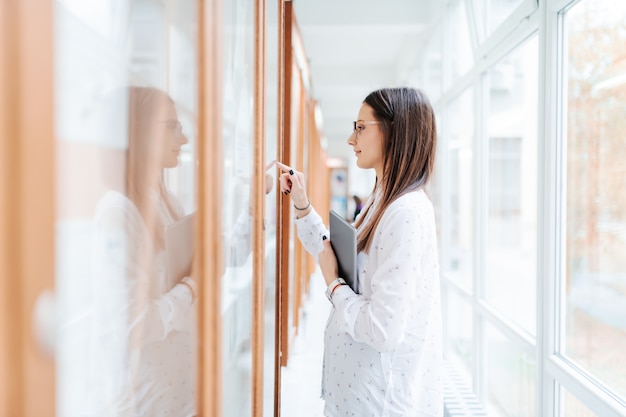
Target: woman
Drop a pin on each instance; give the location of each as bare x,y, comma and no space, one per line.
144,322
382,350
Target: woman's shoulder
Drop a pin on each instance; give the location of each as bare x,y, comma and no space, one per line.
412,201
113,199
114,205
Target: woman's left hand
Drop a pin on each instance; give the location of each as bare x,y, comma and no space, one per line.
328,262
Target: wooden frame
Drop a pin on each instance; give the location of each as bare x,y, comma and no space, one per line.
27,198
208,238
280,154
295,151
285,58
258,232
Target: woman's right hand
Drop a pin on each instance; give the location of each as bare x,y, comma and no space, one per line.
292,183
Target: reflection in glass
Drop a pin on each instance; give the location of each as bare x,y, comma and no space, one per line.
271,139
595,284
511,249
511,376
126,322
459,264
236,308
143,335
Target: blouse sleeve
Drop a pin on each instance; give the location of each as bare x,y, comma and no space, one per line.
311,228
381,321
123,276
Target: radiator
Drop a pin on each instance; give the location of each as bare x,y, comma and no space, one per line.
458,398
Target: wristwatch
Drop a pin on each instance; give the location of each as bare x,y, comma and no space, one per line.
333,286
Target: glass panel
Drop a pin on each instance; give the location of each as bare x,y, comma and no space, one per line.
428,73
511,192
461,148
435,187
492,13
238,149
459,327
511,376
572,407
125,92
458,46
595,287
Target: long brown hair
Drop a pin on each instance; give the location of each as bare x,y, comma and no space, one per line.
409,143
144,170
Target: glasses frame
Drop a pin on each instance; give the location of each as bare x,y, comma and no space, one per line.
174,126
363,122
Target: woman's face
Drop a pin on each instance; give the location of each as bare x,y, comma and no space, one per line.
172,135
367,141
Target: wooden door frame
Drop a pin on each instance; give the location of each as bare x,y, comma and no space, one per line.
208,239
258,210
27,203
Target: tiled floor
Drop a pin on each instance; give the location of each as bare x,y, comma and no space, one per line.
301,378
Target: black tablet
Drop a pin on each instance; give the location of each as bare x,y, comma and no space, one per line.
343,241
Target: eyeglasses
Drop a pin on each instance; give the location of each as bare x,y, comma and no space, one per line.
358,125
173,126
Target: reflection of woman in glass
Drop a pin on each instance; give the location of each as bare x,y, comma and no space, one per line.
144,323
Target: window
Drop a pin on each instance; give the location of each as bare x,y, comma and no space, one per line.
459,46
511,186
595,235
459,262
125,117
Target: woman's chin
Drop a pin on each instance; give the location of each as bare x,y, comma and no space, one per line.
361,164
171,164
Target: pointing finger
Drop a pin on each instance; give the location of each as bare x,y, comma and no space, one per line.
284,167
271,164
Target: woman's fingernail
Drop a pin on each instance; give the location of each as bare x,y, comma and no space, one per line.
324,237
288,191
285,192
291,172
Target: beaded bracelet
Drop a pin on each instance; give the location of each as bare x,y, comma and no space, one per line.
303,208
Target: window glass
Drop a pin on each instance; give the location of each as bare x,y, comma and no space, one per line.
492,13
459,262
572,406
511,377
595,265
125,117
511,193
459,326
428,73
459,47
238,147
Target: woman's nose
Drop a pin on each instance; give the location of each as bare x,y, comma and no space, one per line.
351,140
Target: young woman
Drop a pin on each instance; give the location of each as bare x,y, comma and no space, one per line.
382,350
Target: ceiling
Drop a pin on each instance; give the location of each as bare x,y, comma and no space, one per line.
355,47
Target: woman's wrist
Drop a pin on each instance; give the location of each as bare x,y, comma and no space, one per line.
302,207
330,290
189,283
302,210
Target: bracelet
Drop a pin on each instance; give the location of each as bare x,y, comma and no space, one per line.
333,286
303,208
